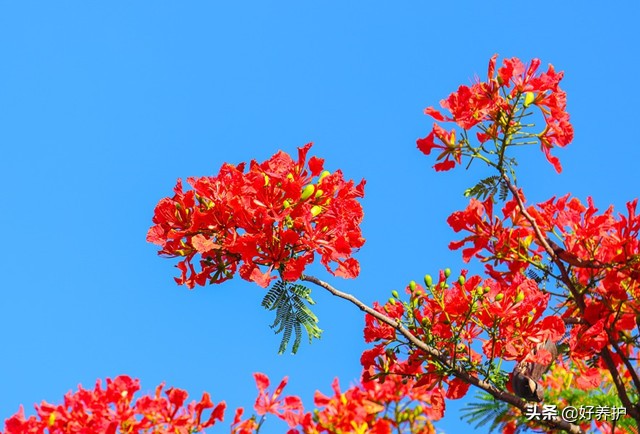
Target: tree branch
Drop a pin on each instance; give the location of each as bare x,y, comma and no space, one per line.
501,395
632,409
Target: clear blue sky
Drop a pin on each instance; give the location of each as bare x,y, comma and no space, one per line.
104,104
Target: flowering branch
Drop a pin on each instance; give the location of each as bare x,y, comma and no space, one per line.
554,422
632,409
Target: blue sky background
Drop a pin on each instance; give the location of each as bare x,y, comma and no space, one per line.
104,104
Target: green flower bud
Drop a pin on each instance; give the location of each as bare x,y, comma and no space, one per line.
286,204
519,297
288,221
395,294
428,280
461,280
324,174
319,193
447,272
499,296
412,286
307,191
392,300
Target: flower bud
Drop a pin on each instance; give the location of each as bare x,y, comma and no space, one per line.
324,174
319,193
447,272
286,204
461,280
315,210
412,286
529,97
395,294
519,297
392,300
288,222
307,191
428,280
499,296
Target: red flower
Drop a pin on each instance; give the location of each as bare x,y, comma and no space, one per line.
451,151
495,107
114,409
289,408
271,219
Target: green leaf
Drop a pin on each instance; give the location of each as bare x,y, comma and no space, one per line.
292,313
487,187
488,410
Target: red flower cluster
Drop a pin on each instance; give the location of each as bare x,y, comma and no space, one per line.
287,408
600,251
451,316
496,107
370,407
367,408
379,408
113,409
272,216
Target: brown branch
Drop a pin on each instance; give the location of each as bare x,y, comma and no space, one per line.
542,240
501,395
632,409
626,361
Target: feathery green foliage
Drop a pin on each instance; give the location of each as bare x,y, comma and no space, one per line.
487,410
292,313
487,187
